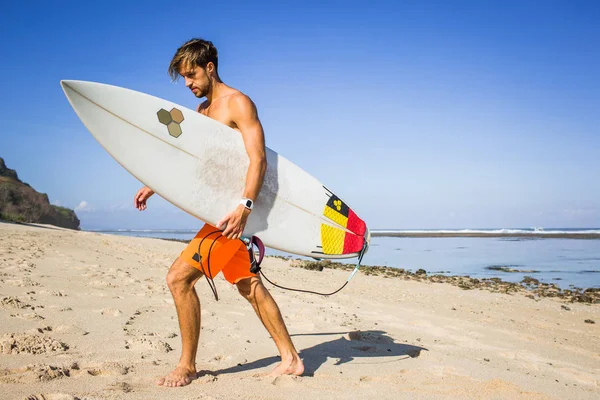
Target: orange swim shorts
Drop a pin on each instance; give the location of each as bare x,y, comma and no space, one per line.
229,256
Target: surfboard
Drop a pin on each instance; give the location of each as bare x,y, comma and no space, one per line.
200,165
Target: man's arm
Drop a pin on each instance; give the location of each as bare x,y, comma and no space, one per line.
245,116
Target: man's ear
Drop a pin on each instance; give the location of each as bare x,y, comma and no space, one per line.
210,67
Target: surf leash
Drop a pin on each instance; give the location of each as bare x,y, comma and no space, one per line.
209,277
255,265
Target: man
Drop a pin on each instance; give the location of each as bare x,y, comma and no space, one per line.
197,61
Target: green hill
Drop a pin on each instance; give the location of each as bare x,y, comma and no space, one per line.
19,202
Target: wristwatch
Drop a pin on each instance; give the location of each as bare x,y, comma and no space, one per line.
248,203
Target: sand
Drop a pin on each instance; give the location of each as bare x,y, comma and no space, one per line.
89,316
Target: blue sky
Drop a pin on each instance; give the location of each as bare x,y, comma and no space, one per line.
449,114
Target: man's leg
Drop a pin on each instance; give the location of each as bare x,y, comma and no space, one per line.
267,310
181,280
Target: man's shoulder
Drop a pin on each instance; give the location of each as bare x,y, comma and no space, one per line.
238,95
238,99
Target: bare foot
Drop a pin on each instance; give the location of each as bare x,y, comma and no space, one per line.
180,376
291,366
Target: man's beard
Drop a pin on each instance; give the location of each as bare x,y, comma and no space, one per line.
202,92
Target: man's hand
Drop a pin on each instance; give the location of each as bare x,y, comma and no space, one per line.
139,201
235,222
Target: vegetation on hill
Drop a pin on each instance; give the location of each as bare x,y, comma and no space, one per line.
19,202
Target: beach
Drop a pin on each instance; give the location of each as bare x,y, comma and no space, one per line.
87,315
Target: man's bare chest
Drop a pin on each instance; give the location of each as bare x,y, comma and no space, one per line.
219,114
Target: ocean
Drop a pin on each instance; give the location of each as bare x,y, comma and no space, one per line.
567,263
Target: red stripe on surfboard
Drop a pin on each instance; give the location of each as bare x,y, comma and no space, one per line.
353,243
356,224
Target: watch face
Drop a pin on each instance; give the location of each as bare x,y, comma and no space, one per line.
248,203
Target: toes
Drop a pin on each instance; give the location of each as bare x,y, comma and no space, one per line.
184,382
174,381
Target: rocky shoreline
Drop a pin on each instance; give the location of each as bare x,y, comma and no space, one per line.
531,287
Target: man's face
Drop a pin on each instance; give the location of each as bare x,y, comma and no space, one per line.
196,80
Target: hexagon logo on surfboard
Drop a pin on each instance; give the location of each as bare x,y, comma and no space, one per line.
172,119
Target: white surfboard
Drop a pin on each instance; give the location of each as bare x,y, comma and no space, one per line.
200,166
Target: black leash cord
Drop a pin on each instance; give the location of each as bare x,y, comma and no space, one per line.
301,290
254,265
210,280
360,257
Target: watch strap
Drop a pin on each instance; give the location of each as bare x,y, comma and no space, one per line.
248,203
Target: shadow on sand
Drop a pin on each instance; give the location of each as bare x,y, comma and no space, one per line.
352,345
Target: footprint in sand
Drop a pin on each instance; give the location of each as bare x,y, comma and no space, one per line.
113,312
10,268
36,373
26,266
200,397
16,343
109,368
146,317
145,343
51,396
35,331
13,302
28,316
71,329
83,268
47,373
286,381
25,282
122,386
369,337
99,284
205,377
57,293
366,349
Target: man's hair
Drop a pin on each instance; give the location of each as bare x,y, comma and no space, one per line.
193,53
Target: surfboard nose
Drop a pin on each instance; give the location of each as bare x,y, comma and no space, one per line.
68,86
76,90
67,89
71,84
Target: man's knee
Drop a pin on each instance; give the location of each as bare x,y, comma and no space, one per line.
182,276
247,288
